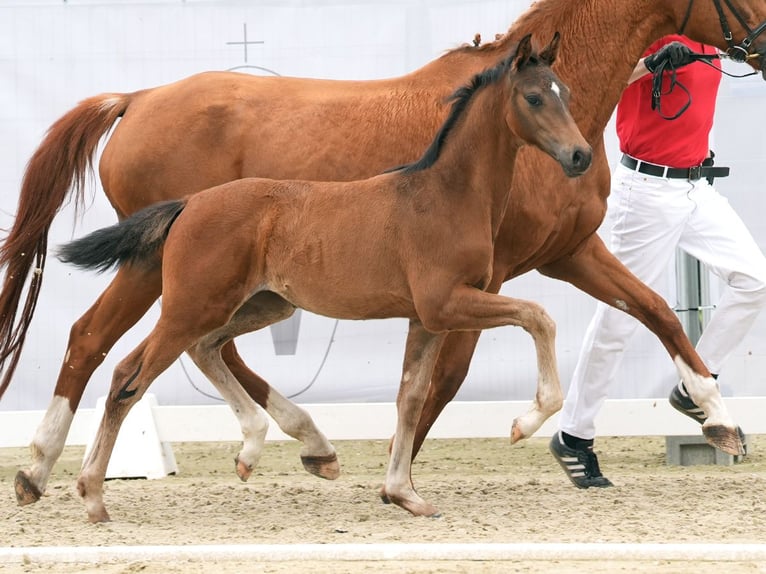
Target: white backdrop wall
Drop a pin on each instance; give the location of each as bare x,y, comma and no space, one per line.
53,54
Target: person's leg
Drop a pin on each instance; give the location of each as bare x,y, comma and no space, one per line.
718,237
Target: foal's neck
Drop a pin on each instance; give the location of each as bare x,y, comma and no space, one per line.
475,165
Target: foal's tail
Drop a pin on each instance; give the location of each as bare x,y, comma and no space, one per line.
136,240
56,171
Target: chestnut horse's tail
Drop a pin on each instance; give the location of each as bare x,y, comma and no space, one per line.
56,170
136,240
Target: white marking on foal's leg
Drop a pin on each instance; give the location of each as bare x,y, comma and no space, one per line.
549,396
705,394
252,419
297,423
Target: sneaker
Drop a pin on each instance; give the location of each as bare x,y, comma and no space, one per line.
580,465
683,403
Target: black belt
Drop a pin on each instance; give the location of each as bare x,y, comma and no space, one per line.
692,173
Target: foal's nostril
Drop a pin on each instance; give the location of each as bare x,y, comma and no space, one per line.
581,159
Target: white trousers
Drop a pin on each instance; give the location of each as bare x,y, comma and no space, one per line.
651,217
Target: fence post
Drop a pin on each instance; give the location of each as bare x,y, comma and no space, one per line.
693,304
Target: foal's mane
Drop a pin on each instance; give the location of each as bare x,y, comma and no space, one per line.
460,98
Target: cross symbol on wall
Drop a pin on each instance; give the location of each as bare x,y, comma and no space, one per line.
245,43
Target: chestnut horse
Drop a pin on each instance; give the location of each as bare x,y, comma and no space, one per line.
416,243
196,133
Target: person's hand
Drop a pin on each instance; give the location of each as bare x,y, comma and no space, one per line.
675,54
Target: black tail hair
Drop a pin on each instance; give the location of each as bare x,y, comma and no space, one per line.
134,240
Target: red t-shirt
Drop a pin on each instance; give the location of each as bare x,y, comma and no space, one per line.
683,142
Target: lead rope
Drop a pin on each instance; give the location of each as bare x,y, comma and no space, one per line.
657,75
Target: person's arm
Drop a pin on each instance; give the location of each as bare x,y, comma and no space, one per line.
638,72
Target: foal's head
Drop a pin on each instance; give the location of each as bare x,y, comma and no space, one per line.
537,109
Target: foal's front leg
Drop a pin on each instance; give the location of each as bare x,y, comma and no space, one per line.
455,358
420,356
471,309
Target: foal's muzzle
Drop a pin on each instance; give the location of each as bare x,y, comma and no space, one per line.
578,162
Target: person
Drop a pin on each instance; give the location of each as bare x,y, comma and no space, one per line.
661,199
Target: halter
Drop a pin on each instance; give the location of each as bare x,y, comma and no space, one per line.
737,53
740,52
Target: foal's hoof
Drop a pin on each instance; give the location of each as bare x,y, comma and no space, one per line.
322,466
243,470
724,438
26,491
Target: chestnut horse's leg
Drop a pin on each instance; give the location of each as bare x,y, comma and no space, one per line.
449,373
118,308
317,454
596,271
421,352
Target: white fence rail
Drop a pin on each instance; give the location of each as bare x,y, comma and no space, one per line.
342,421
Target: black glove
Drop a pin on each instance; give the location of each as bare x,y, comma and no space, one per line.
675,54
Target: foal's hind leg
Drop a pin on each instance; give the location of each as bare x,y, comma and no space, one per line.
317,454
125,300
131,378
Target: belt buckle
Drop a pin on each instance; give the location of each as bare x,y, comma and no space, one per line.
695,172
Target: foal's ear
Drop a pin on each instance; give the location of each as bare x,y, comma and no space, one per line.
523,51
548,55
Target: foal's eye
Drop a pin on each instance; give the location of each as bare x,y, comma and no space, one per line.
534,99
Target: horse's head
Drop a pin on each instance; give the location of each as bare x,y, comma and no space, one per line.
538,108
736,26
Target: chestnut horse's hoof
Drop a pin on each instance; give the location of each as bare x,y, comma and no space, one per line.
724,438
26,491
516,433
322,466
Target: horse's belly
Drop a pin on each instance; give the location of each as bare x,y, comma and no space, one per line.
332,300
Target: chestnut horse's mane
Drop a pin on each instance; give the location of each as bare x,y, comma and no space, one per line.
460,98
541,19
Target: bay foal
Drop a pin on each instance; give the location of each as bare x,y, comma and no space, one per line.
415,243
